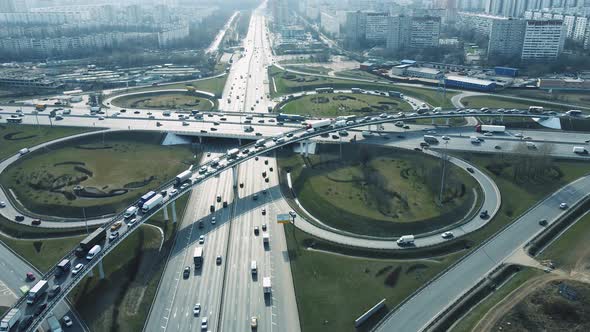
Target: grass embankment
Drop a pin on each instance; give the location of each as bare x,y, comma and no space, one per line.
379,191
333,290
501,102
522,181
214,85
289,83
122,300
113,174
565,97
310,69
165,100
14,137
357,73
337,104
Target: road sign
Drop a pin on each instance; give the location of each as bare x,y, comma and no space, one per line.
283,218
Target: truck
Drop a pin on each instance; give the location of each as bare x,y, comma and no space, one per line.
395,94
66,111
23,151
93,252
405,239
35,293
319,123
10,320
130,212
430,139
574,113
580,150
490,129
198,257
233,152
94,238
266,285
355,90
290,118
265,238
324,90
535,109
259,143
94,109
180,178
339,123
14,120
248,129
146,197
63,267
54,325
40,107
152,203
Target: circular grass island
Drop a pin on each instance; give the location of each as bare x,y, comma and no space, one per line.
380,191
91,177
337,104
165,100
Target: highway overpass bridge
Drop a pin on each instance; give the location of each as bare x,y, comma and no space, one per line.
210,169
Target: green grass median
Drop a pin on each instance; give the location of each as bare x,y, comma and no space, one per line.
165,100
502,102
337,104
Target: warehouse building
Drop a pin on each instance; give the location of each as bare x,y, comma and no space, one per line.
470,83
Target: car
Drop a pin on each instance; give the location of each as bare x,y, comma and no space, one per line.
263,211
518,135
184,186
258,134
446,138
101,118
136,112
30,276
186,272
543,222
447,235
417,149
470,169
424,144
218,260
212,220
563,206
401,136
256,230
113,236
201,239
497,147
173,192
40,309
213,129
527,137
204,324
484,214
131,222
254,322
116,225
208,154
18,217
224,204
67,321
264,227
36,222
255,197
77,268
197,309
2,204
488,134
264,191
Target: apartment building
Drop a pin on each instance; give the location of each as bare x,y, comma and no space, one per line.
543,40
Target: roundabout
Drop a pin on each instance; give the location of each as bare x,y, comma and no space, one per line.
165,99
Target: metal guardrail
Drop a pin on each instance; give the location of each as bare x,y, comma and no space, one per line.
233,162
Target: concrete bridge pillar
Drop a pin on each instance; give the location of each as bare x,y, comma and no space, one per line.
301,144
166,212
234,172
100,270
200,139
306,149
173,211
90,273
447,121
239,141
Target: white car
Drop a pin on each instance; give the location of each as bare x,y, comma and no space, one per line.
197,309
173,192
201,239
77,268
204,324
563,206
113,236
131,222
518,135
447,235
488,134
446,138
67,321
212,220
2,204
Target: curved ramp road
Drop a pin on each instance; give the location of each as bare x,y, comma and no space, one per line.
423,307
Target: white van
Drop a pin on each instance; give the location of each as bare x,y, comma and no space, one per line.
405,239
95,250
253,267
23,151
130,212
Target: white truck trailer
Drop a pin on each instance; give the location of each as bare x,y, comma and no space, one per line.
152,203
10,320
266,286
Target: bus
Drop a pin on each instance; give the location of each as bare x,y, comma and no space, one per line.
324,90
198,257
14,120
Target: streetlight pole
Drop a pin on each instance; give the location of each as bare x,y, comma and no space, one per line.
444,167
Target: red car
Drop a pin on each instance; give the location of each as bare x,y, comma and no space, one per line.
30,276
